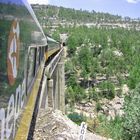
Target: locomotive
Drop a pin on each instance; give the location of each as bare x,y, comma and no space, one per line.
24,49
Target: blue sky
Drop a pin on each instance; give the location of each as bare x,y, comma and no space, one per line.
129,8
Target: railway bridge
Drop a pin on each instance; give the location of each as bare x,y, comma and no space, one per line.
53,84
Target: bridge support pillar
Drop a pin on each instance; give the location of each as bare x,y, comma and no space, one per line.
44,95
61,87
56,97
50,94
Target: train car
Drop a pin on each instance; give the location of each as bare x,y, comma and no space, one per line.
22,58
52,47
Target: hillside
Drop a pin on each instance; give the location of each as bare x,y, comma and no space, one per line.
52,16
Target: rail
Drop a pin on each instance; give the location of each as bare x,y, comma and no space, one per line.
52,65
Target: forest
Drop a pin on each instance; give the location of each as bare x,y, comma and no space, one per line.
100,63
102,66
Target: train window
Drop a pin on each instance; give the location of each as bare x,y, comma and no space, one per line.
31,66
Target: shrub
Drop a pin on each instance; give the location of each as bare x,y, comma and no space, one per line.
108,89
93,123
132,115
98,106
77,118
110,129
93,94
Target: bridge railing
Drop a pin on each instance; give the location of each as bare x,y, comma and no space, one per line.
52,93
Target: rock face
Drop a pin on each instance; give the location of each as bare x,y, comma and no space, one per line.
53,125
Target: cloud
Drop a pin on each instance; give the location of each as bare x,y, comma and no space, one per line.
38,1
133,1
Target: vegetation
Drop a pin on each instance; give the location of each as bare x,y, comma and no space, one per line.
112,56
76,16
131,129
91,59
107,90
110,129
75,117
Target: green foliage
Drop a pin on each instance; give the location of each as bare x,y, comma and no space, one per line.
69,67
79,93
106,57
107,90
70,96
110,129
93,95
77,118
72,81
96,51
134,77
91,54
74,93
131,125
72,44
98,106
85,60
56,36
79,15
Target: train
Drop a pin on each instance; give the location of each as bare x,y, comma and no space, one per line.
24,50
52,47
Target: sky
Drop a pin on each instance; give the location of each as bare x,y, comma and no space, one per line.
123,8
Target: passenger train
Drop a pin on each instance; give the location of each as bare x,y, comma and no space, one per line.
24,49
